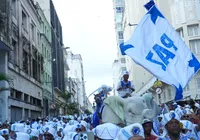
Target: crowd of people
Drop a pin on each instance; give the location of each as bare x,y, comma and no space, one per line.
175,121
179,123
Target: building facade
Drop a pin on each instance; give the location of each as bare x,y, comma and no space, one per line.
119,65
57,50
184,16
76,72
5,32
186,21
24,63
45,45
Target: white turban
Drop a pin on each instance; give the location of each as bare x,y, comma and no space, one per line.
22,136
71,136
4,132
187,124
197,105
169,116
131,130
125,73
50,130
187,111
17,127
83,123
106,131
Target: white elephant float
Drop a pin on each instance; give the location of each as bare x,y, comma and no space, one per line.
130,110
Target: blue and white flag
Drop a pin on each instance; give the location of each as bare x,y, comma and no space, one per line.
157,47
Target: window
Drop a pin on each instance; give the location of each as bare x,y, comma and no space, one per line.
187,88
14,8
13,52
120,41
169,93
180,32
33,31
119,26
48,55
25,61
18,95
123,69
12,93
38,38
24,20
45,52
119,2
26,97
195,46
119,9
35,64
42,49
198,83
120,35
193,30
123,60
118,18
45,30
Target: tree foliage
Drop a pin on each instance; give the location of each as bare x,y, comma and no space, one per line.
4,77
72,108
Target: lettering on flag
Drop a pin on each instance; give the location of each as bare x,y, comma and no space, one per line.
162,52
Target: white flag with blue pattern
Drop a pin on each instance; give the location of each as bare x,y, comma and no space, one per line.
157,47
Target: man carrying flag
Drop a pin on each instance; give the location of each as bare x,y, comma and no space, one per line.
157,47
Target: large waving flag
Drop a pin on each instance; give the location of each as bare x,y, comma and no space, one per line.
157,47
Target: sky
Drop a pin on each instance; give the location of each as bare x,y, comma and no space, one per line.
89,29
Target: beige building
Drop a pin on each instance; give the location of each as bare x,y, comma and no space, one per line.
25,62
184,15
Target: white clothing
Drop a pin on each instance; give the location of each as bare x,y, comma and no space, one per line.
125,90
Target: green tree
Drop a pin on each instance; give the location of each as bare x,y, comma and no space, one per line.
4,77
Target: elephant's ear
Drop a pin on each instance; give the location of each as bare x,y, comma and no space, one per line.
147,114
151,104
116,103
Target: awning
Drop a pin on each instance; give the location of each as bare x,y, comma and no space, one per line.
3,46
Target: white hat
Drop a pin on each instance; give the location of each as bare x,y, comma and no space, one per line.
4,132
125,73
169,116
106,131
187,124
33,132
174,103
17,127
69,128
73,122
187,111
127,132
179,111
197,105
49,129
71,136
83,123
146,121
34,125
59,129
22,136
187,106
